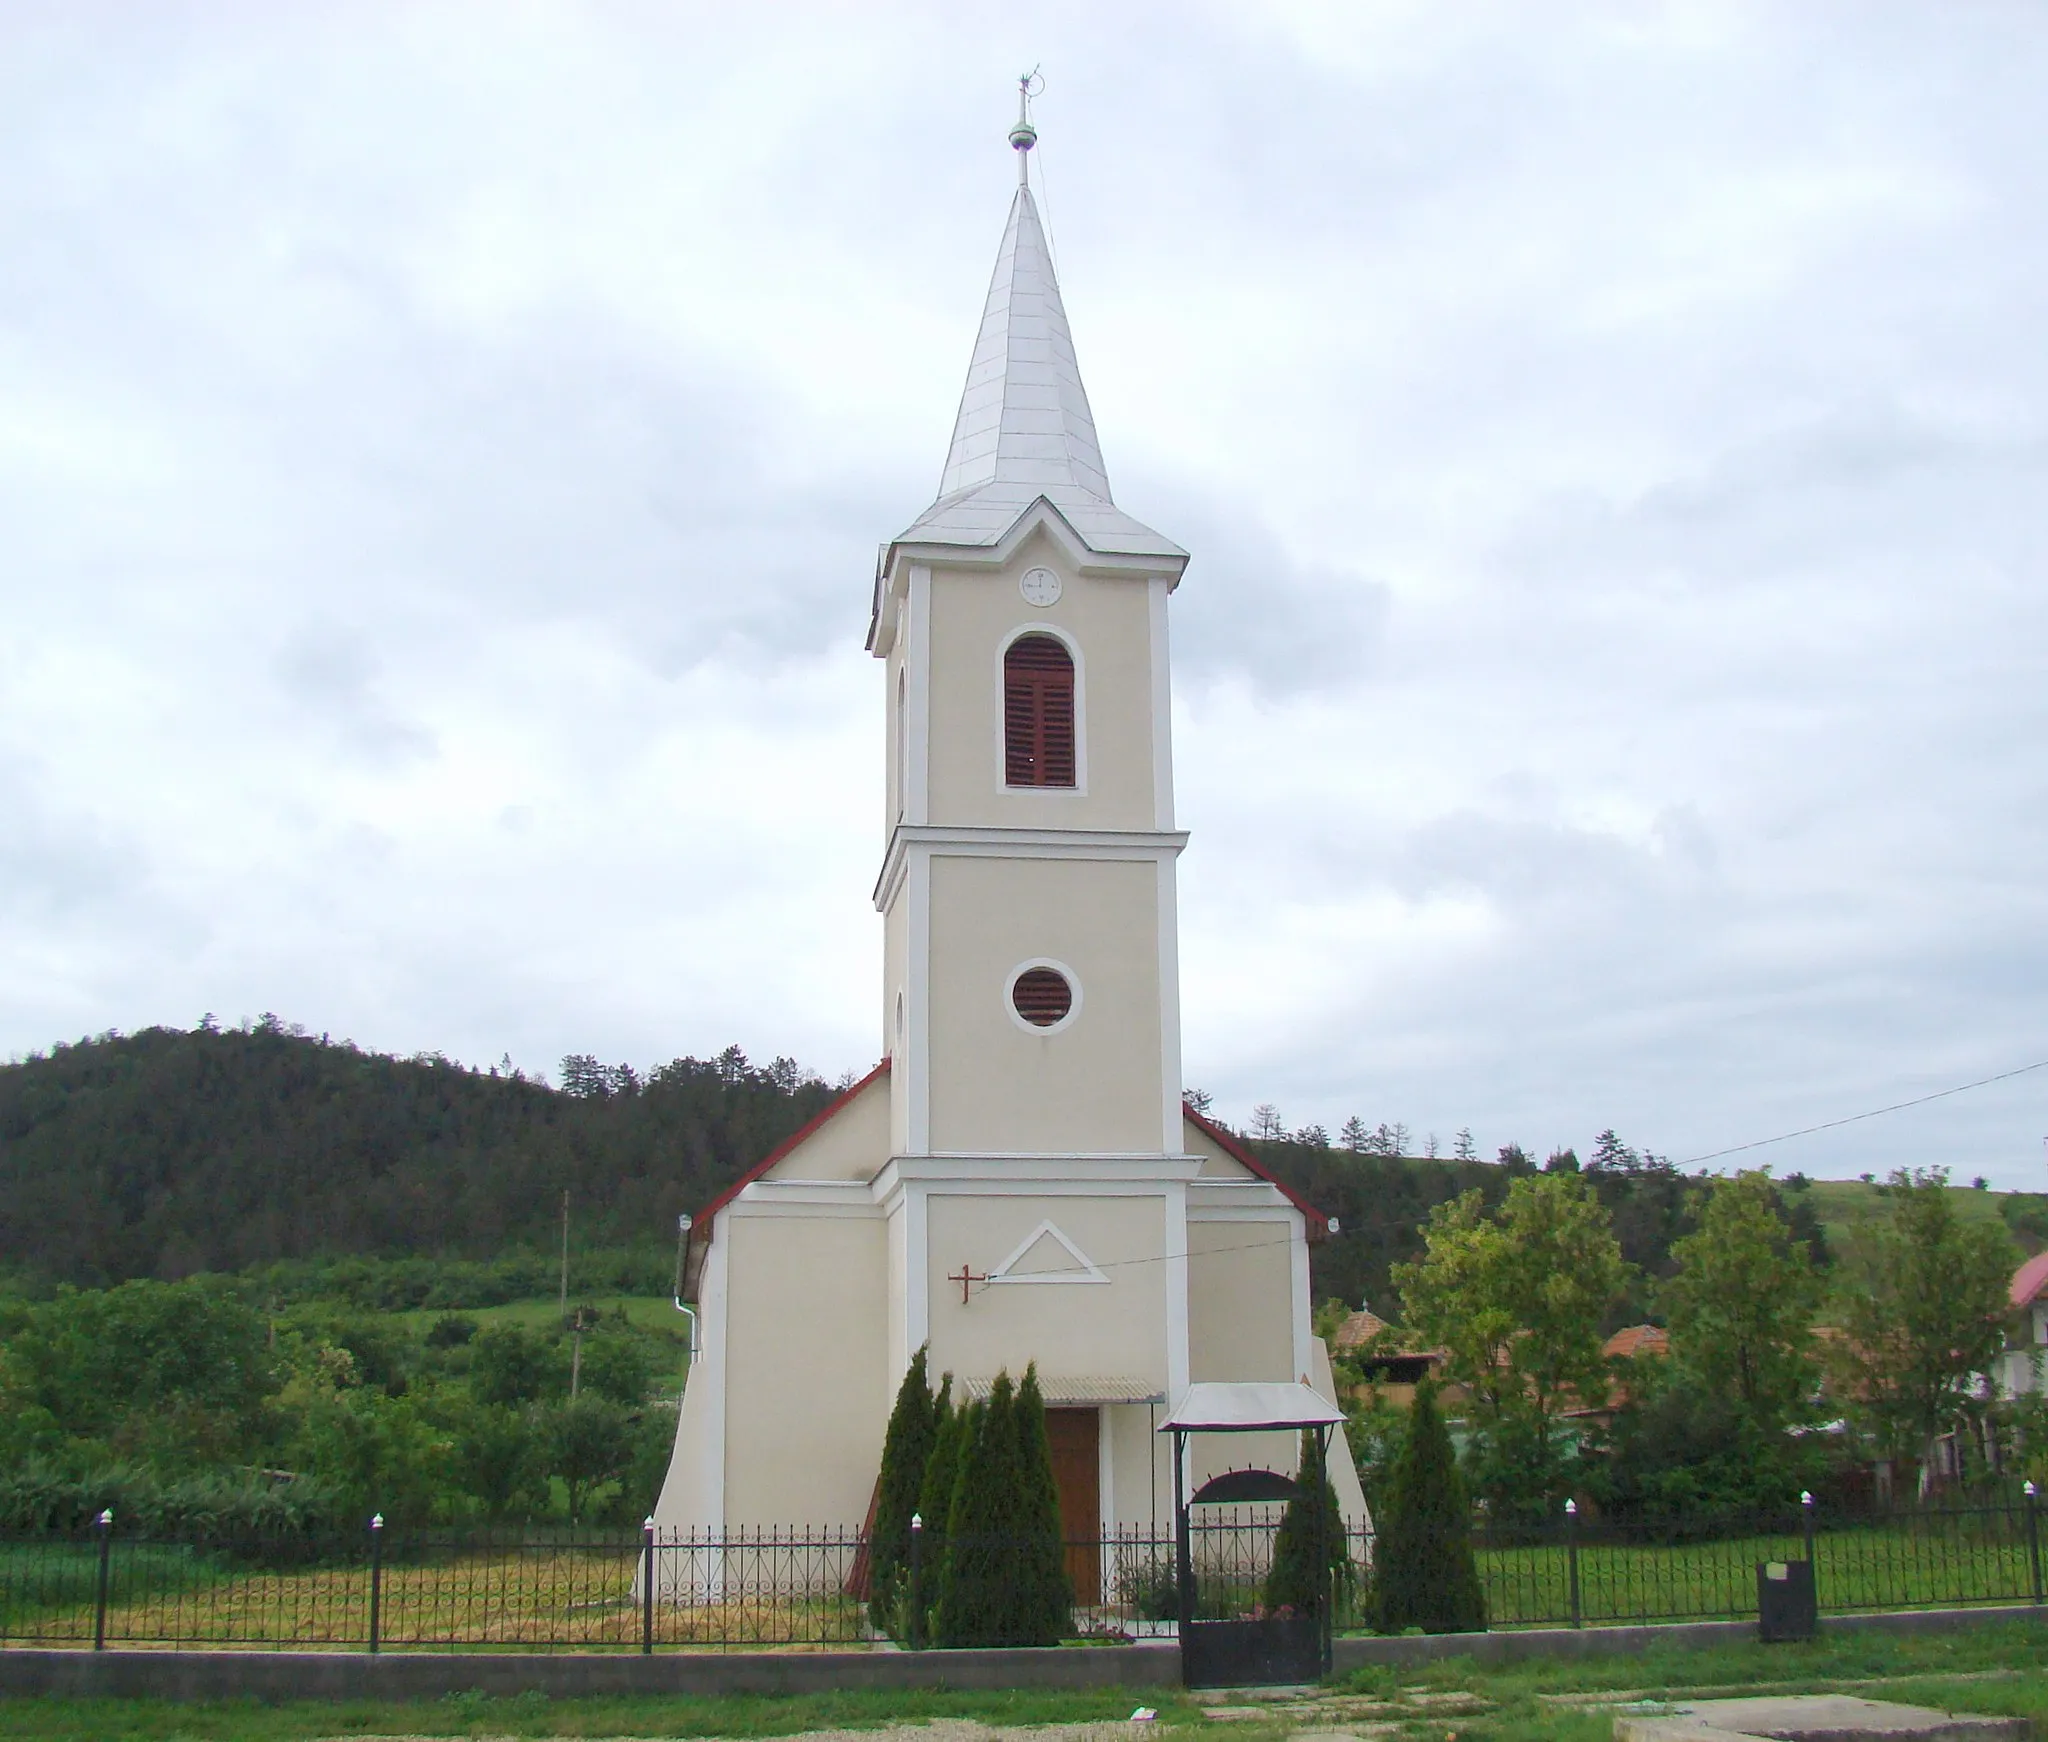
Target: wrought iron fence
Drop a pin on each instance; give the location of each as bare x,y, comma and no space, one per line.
584,1591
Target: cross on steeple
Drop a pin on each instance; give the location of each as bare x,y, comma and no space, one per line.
1023,136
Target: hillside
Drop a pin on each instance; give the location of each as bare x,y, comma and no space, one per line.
165,1153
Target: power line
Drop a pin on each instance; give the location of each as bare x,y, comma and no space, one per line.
1874,1113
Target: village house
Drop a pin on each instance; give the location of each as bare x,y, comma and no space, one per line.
1018,1180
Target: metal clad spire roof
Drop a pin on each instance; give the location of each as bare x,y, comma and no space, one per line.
1024,432
1024,416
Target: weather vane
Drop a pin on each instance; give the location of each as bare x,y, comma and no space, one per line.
1023,136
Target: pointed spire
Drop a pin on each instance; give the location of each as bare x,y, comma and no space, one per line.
1024,433
1024,416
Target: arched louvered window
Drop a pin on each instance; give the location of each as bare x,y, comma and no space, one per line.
1038,713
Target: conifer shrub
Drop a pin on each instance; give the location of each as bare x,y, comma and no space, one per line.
1309,1548
906,1450
1044,1593
954,1427
1425,1575
998,1528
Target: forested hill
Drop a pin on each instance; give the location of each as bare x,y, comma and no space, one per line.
164,1153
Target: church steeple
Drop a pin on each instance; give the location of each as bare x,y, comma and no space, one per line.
1024,416
1024,431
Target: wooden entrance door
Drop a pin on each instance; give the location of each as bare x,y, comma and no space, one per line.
1076,1439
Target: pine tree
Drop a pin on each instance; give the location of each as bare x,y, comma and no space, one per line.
1425,1575
1044,1594
1309,1545
906,1450
1354,1136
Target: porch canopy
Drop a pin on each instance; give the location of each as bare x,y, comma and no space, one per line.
1249,1406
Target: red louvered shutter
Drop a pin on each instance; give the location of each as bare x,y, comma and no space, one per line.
1042,996
1038,713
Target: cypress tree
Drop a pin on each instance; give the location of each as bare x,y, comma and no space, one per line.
1043,1593
977,1593
1425,1575
1309,1545
906,1450
941,1477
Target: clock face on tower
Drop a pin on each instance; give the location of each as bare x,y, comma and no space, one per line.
1040,587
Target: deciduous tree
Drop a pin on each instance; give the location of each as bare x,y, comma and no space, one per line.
1929,1316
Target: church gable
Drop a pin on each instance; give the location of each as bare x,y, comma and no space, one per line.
1217,1162
848,1141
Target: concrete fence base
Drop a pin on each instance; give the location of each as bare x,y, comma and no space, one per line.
337,1675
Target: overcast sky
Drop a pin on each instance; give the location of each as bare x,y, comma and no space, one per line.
443,450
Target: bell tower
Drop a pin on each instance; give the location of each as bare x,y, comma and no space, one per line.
1031,1001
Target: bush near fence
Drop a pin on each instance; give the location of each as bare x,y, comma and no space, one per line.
793,1589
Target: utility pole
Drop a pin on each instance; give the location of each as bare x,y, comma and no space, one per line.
565,1257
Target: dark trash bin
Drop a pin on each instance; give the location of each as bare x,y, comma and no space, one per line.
1786,1608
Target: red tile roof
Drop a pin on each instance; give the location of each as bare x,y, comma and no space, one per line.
1636,1340
2029,1280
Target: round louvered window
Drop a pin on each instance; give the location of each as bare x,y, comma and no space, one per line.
1042,996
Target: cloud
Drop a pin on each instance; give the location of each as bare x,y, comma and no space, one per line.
443,458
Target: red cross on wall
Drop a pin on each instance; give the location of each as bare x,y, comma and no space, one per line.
966,1279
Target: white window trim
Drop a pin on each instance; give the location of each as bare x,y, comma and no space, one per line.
1035,1029
1066,639
1086,1273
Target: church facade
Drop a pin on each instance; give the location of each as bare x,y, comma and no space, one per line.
1019,1180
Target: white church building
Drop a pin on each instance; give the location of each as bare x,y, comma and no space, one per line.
1018,1180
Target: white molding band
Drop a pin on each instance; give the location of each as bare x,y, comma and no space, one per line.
918,1112
917,1296
918,661
1176,1237
1173,1122
1162,707
908,843
1304,1368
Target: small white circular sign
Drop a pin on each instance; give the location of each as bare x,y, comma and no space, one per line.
1040,587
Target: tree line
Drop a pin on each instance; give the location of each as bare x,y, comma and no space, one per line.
169,1153
1777,1373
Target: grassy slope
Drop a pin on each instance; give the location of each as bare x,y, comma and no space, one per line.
1847,1206
647,1313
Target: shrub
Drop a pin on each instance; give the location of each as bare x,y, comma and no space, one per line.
996,1531
1309,1547
906,1450
1043,1594
1424,1574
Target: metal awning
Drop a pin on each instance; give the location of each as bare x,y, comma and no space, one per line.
1243,1406
1080,1391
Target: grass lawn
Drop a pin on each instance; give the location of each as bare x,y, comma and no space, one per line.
1997,1669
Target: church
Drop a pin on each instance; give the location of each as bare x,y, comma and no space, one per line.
1018,1180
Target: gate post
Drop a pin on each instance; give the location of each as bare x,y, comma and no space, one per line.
2034,1540
647,1587
104,1525
1571,1559
376,1578
916,1620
